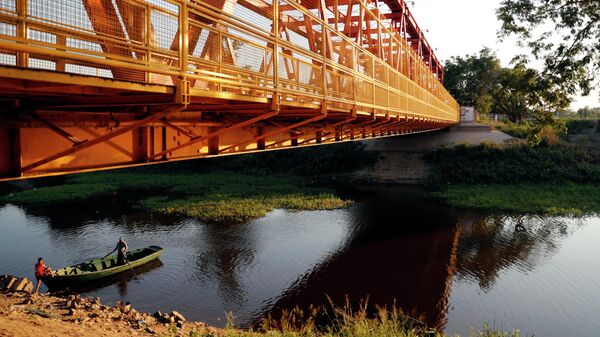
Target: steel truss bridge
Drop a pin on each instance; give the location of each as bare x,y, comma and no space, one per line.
95,84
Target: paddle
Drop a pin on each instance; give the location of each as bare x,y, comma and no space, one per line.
134,274
130,267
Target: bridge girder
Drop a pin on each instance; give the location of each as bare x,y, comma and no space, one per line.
102,84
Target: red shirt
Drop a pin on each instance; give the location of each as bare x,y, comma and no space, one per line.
40,269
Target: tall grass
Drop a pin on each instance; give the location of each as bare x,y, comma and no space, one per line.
342,322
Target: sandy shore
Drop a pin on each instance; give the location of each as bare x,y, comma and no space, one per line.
23,315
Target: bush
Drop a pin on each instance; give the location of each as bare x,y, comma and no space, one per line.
576,126
508,164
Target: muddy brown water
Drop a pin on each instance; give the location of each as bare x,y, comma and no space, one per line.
451,268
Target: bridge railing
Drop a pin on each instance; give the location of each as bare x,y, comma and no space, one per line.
226,49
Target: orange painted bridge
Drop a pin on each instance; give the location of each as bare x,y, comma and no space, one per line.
94,84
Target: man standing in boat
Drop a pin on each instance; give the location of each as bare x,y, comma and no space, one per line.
121,249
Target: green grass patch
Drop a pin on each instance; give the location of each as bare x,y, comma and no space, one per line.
217,208
513,164
562,179
214,197
59,194
569,199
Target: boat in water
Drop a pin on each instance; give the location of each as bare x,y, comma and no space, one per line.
97,269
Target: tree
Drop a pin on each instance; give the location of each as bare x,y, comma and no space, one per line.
565,34
471,79
523,91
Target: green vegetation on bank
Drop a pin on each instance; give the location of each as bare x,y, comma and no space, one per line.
219,189
207,196
561,179
341,322
570,199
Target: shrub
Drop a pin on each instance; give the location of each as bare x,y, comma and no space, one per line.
505,164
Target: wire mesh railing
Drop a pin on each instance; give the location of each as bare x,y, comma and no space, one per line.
309,52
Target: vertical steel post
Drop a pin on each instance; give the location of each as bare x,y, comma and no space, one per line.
213,142
261,142
139,144
183,53
22,11
10,151
148,42
275,98
164,142
151,141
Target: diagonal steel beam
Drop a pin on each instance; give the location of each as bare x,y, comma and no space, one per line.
317,130
187,133
109,143
275,132
217,133
102,138
56,129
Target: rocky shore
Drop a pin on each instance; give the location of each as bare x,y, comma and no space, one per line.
25,314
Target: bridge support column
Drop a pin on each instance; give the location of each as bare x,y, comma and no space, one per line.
213,142
139,145
10,153
319,137
163,137
294,140
151,141
260,143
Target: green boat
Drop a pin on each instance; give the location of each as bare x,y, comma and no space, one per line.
96,269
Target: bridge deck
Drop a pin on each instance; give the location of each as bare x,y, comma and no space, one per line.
90,84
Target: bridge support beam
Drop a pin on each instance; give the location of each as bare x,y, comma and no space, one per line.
10,152
213,142
139,144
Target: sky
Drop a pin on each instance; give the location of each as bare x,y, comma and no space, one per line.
460,27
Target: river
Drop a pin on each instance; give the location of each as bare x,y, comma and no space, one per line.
451,268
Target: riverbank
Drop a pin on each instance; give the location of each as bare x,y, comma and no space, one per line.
560,179
23,315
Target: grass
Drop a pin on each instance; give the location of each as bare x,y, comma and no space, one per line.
341,322
569,199
233,188
216,208
562,179
214,197
513,164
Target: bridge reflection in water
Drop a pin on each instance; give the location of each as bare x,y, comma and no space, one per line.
407,262
93,84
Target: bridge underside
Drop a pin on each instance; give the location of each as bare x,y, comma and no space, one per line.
112,88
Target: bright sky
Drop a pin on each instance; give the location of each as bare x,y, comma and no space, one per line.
460,27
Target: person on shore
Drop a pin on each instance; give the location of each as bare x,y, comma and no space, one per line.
41,270
121,249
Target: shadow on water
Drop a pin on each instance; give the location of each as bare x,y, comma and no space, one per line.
402,253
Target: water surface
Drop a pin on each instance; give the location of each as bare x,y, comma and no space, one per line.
448,267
